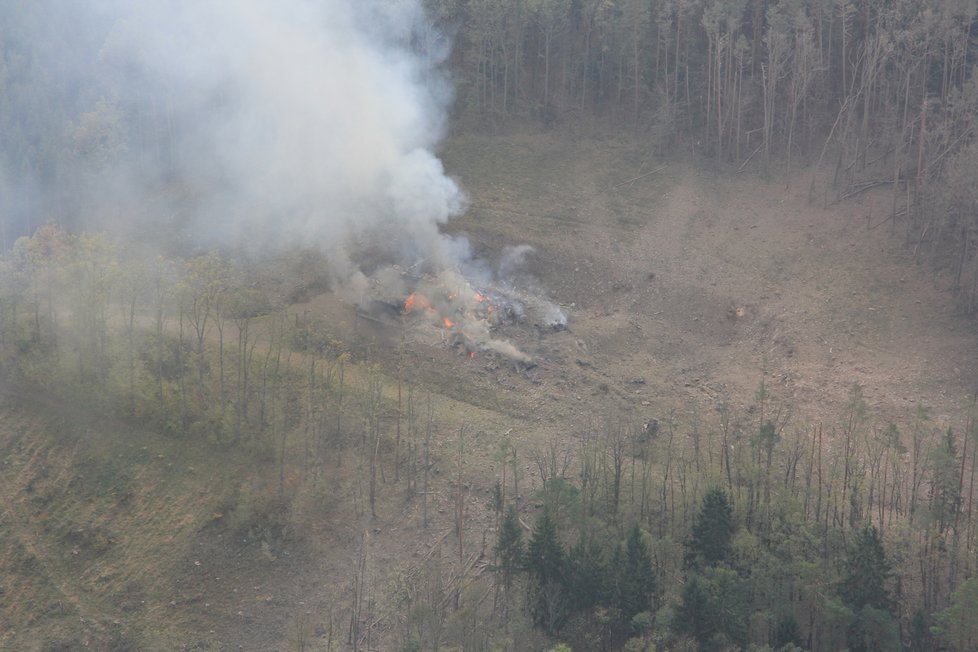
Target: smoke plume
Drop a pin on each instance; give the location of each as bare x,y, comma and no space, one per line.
256,123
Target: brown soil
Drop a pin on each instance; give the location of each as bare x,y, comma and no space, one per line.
684,291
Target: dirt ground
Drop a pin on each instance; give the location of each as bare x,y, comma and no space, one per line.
683,291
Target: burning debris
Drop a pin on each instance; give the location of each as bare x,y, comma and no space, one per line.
469,314
464,303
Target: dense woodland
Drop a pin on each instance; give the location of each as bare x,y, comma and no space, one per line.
727,532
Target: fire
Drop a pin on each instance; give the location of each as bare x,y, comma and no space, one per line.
471,355
417,301
486,301
420,302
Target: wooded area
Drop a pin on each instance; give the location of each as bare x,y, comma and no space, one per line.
862,94
734,532
719,533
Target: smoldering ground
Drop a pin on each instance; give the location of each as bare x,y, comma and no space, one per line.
250,124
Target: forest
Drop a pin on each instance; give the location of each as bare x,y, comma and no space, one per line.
727,530
874,93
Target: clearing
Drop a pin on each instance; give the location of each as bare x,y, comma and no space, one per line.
683,291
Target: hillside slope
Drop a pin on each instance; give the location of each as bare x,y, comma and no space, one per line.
684,291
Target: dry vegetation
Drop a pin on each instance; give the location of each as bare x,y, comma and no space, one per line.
685,292
700,283
758,217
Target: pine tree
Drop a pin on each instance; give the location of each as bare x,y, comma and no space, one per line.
864,591
587,574
696,614
956,625
713,530
867,572
546,565
509,547
714,609
786,631
636,583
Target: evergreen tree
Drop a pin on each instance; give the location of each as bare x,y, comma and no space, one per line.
545,555
945,489
921,638
786,631
587,574
863,590
546,565
695,617
714,609
867,572
956,625
509,547
635,583
875,631
713,530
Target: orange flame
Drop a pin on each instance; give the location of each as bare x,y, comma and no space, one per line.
485,300
448,322
416,300
471,355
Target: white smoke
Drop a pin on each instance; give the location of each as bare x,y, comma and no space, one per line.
297,122
262,124
512,278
